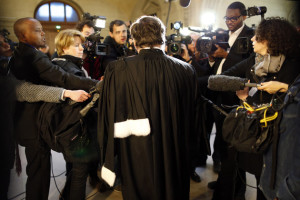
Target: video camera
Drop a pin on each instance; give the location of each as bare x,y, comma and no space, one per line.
206,44
174,41
244,44
93,45
5,33
255,10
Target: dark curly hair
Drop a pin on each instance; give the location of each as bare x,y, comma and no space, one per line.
81,24
281,36
148,31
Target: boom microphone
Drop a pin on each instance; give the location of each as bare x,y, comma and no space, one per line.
185,3
228,83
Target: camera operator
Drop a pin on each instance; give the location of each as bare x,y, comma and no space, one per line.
91,62
117,40
86,27
228,185
200,63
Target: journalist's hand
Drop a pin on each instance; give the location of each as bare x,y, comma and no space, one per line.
76,95
273,86
185,53
220,52
243,94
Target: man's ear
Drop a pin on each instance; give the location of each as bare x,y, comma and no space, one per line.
22,37
110,34
244,17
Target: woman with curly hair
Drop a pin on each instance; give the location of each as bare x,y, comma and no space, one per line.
275,64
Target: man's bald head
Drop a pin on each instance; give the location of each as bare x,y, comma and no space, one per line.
21,25
29,30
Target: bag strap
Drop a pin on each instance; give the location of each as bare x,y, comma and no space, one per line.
214,105
275,150
266,119
265,108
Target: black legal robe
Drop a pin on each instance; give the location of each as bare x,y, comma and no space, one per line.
147,117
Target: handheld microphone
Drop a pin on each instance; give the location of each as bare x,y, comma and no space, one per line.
228,83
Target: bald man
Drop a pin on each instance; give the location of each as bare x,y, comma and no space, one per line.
30,64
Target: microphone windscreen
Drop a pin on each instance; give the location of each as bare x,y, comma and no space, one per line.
225,83
185,3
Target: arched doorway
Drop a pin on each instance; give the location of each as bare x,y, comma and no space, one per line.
55,16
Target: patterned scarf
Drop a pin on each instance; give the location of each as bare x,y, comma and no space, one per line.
267,64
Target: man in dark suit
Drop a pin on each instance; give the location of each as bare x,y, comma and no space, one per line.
221,60
30,64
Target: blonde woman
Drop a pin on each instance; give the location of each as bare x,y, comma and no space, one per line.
69,46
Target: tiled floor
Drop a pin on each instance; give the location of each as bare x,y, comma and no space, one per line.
198,191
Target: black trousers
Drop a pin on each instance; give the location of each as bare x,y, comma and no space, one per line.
38,170
219,144
4,183
230,182
230,179
76,182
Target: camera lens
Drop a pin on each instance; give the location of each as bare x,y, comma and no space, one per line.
174,48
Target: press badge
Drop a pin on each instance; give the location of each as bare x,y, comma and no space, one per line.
252,91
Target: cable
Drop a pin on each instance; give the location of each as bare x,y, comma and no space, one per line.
243,180
51,177
58,175
91,195
16,196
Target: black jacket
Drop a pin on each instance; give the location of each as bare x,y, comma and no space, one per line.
34,66
70,64
234,57
289,71
116,51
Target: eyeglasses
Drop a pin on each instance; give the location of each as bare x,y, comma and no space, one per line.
232,19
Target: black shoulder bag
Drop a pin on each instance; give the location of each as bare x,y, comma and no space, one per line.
250,129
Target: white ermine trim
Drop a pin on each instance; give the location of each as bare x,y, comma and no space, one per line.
108,176
137,127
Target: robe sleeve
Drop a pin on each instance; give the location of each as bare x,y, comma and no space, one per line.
106,127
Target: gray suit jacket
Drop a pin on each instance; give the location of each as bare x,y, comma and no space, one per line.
26,91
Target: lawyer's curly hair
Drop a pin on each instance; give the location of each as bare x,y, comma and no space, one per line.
281,36
148,31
